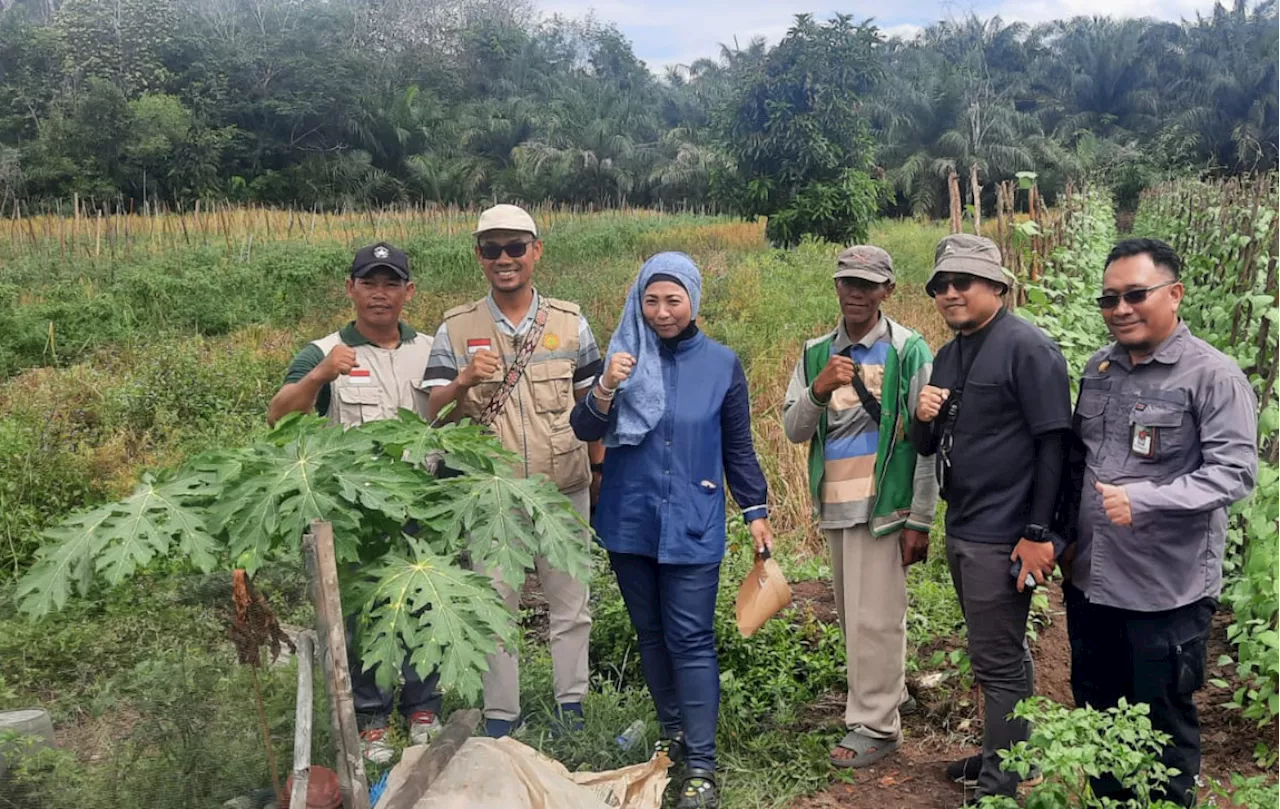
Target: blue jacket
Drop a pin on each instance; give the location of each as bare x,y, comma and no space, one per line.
663,498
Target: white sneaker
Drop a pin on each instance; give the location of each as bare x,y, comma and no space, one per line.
423,726
375,746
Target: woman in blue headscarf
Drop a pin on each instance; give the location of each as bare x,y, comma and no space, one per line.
672,410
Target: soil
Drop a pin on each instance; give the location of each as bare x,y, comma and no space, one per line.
947,728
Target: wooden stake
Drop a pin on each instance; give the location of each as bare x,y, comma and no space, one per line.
437,756
349,760
976,189
953,187
303,717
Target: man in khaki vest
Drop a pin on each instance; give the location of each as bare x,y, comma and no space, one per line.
363,372
474,348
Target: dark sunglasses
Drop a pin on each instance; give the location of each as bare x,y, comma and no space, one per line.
492,251
1133,297
940,284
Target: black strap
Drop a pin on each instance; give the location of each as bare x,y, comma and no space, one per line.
868,399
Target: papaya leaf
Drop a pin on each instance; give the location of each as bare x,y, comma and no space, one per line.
424,607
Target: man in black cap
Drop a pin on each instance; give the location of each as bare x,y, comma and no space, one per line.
997,413
366,371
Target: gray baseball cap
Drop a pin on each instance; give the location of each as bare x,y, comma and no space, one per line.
966,254
867,262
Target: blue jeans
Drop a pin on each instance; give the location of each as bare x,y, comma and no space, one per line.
672,608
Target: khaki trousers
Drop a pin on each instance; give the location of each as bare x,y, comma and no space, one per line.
569,634
870,587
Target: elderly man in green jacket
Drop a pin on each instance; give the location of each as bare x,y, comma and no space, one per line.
852,398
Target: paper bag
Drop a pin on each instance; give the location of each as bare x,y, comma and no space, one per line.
763,593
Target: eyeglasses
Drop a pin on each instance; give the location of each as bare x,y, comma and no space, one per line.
940,284
1133,297
491,250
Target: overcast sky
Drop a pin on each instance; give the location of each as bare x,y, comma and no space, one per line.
666,32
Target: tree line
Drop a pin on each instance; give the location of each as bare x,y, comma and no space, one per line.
350,103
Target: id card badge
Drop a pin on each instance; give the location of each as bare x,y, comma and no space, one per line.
1143,442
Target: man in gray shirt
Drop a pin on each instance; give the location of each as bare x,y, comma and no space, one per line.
1166,441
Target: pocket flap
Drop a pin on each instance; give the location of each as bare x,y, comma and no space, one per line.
1148,414
564,441
357,394
547,371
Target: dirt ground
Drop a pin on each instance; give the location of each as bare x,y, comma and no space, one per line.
939,733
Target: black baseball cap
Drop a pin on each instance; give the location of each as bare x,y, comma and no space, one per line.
380,256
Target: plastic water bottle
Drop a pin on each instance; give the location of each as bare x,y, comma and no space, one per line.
628,738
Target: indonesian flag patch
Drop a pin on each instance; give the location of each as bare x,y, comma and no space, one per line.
479,344
360,376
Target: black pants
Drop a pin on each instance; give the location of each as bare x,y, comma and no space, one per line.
372,704
995,614
1152,657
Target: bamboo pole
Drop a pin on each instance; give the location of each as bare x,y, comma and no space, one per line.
303,719
349,760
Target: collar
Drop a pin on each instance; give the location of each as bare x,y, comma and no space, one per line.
351,336
501,319
878,332
1168,352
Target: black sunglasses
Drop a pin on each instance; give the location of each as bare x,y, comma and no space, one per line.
940,284
1133,297
492,251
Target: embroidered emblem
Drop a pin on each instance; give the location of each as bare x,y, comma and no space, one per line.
381,252
551,342
1103,366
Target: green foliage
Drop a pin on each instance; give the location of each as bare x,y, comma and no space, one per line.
1072,746
800,150
250,506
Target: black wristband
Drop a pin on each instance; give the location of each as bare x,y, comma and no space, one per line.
597,467
1037,533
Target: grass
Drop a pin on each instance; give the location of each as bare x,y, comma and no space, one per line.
145,349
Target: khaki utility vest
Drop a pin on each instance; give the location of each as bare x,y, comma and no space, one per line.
534,423
394,381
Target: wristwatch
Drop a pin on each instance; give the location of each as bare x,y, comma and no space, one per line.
1037,533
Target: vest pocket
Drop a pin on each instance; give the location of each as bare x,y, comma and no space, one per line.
570,466
552,384
357,404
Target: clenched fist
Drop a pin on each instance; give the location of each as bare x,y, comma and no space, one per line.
482,365
931,401
837,373
1115,501
339,362
620,367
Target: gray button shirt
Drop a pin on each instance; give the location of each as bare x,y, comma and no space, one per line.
1179,433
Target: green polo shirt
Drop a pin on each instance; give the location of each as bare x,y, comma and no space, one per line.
305,361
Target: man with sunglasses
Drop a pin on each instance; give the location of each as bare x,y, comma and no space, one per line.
996,413
517,361
1166,441
851,398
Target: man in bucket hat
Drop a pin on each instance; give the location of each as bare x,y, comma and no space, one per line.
996,413
851,398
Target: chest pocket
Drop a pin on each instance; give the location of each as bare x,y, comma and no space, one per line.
357,404
1091,411
982,408
552,384
1168,429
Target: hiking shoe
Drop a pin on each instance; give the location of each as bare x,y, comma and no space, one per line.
375,746
908,706
423,726
866,750
965,772
569,719
698,791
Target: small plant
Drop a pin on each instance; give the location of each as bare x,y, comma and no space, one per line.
1073,746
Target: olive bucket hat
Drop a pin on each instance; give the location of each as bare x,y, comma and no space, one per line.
966,254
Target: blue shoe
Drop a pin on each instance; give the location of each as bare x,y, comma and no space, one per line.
497,728
569,719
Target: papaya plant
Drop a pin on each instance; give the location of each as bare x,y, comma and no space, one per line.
399,532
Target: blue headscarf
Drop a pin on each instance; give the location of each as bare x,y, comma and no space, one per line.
642,398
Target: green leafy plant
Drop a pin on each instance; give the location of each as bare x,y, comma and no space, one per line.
1073,746
398,529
